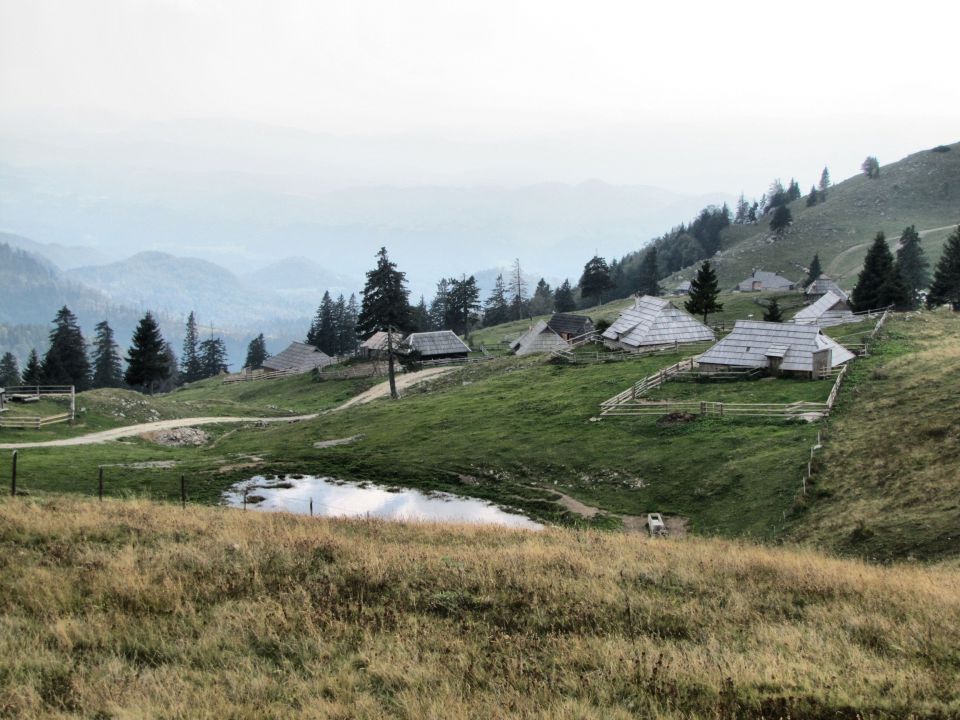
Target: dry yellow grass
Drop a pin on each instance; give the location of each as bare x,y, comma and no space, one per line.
133,609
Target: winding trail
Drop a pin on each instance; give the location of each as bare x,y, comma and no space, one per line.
835,263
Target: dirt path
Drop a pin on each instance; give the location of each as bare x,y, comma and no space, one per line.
382,390
676,526
835,263
134,430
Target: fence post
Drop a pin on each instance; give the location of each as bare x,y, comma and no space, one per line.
311,507
703,407
183,491
100,483
13,478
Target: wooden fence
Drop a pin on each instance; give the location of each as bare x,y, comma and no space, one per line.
600,356
255,376
33,393
23,422
706,408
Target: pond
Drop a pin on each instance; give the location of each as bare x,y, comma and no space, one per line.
335,498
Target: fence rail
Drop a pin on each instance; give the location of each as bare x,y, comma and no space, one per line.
706,408
23,422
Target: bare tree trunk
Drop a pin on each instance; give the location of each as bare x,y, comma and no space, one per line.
390,370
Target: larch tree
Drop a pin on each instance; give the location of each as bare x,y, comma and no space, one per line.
704,291
66,362
147,359
945,288
107,365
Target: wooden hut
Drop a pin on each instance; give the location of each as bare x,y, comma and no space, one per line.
776,347
654,322
763,280
376,345
682,288
547,335
829,310
298,358
821,286
438,345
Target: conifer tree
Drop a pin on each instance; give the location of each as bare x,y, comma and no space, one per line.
704,291
172,379
781,220
147,360
742,212
420,315
824,184
438,306
66,362
518,292
542,301
912,265
347,329
871,167
190,367
814,197
595,279
497,309
32,371
814,272
793,191
9,371
945,287
385,298
563,300
213,357
874,283
773,312
327,331
107,367
463,304
256,353
649,274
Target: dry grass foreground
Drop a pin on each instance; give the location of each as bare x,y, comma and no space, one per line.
134,609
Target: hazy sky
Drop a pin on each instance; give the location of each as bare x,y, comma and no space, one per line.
690,96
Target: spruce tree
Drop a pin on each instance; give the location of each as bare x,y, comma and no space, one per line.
348,327
147,361
793,191
438,306
171,369
463,304
704,291
107,367
824,184
814,197
912,265
9,371
256,353
497,309
871,167
518,292
781,220
385,299
420,315
595,279
32,371
945,287
814,272
542,301
213,357
65,362
326,339
874,283
649,274
742,212
563,299
772,313
190,367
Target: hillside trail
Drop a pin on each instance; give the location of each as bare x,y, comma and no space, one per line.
835,263
374,393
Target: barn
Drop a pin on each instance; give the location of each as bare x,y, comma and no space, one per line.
547,335
298,358
376,345
437,345
830,309
779,348
654,322
763,280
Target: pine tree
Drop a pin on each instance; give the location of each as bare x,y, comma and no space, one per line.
649,274
945,287
32,371
781,220
438,306
385,299
256,353
704,291
65,362
147,361
497,309
913,265
814,197
814,272
190,368
542,301
213,357
9,371
107,366
824,184
773,312
563,300
874,280
518,292
595,279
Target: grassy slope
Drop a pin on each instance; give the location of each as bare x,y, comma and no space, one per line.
922,190
889,479
512,330
134,609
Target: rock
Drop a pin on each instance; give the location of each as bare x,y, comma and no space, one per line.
179,437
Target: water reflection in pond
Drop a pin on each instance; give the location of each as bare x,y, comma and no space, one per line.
334,498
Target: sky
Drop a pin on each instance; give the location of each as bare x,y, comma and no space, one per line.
694,97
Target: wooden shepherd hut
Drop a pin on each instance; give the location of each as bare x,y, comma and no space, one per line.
821,286
437,345
547,335
829,310
654,322
376,345
801,350
298,358
763,280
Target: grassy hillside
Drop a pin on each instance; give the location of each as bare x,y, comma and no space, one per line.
888,484
507,332
922,189
132,609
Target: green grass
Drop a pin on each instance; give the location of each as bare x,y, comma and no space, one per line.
760,390
507,332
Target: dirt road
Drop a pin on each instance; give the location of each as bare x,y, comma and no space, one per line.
383,389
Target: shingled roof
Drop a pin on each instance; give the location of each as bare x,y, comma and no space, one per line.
654,321
753,342
440,342
570,324
378,341
298,358
539,338
828,310
766,281
824,284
